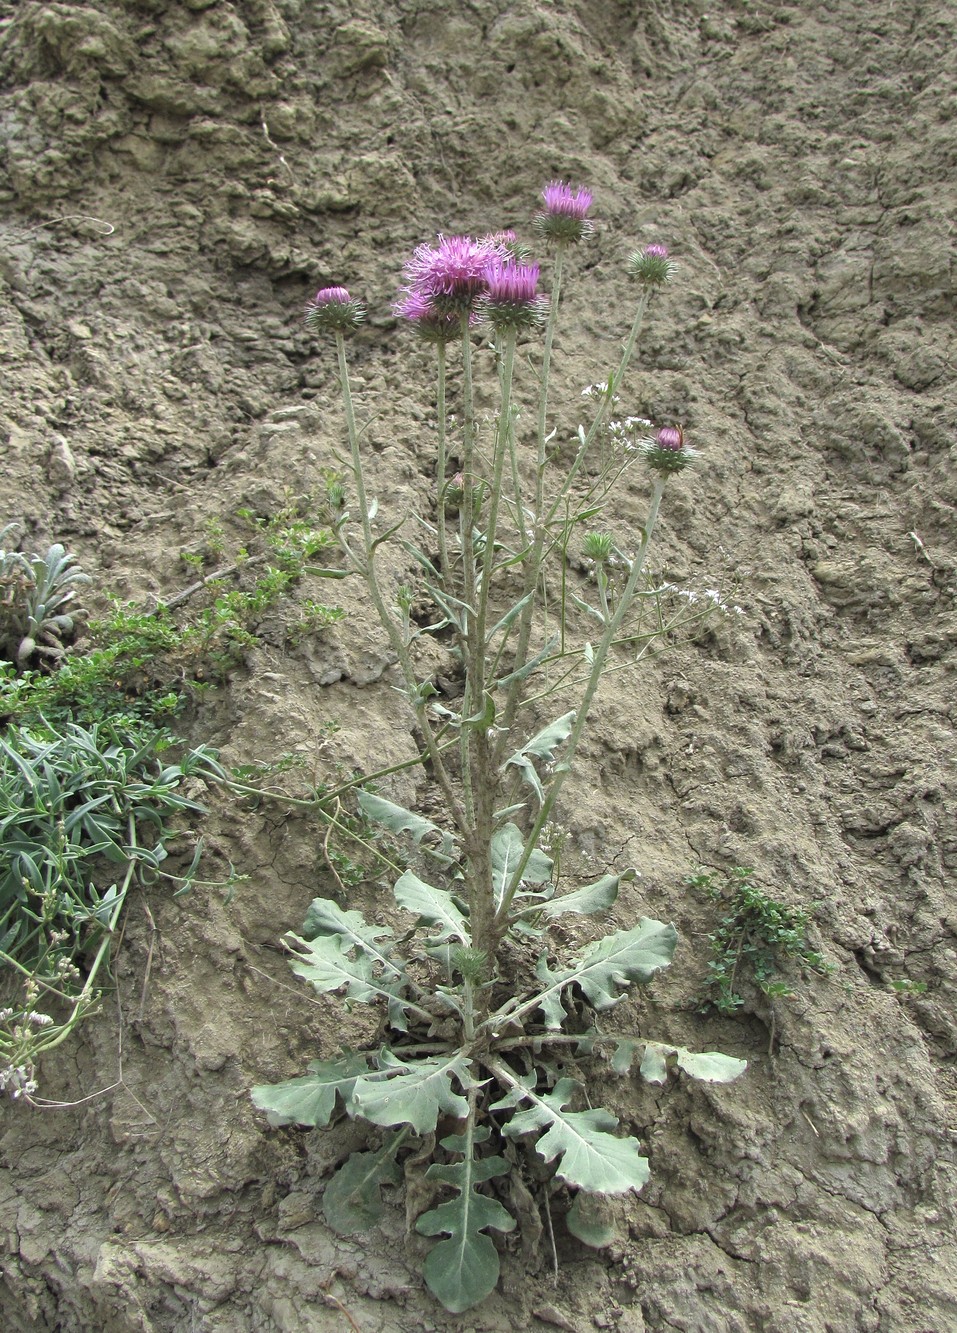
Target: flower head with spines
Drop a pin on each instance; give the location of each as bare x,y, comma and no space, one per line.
451,274
512,299
564,219
651,266
332,310
665,452
431,323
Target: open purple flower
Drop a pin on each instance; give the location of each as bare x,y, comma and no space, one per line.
332,310
651,266
451,273
564,218
512,299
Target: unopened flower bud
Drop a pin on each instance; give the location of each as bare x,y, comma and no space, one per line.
332,310
472,963
651,266
598,546
665,452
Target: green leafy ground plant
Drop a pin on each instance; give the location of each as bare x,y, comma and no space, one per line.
89,794
152,657
486,1027
84,817
755,936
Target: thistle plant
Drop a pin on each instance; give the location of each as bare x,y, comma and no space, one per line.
484,1029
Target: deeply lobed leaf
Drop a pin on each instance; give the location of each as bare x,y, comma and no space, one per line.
399,820
413,1092
311,1100
608,966
464,1269
352,1201
591,1157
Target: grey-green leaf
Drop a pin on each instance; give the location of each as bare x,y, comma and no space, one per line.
507,847
322,962
710,1066
607,966
591,1158
462,1270
413,1093
543,745
433,906
590,898
653,1067
311,1100
400,820
351,1201
589,1221
326,917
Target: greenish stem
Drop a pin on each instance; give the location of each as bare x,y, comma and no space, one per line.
442,461
86,996
502,443
386,619
477,760
544,520
601,653
471,701
316,802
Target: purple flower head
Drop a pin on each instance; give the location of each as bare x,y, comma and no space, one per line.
511,245
560,200
432,324
670,437
565,216
651,266
511,282
665,452
332,310
512,299
451,273
332,296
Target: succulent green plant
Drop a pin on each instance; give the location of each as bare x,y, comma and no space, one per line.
39,614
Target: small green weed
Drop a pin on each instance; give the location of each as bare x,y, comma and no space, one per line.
152,657
754,934
86,797
904,986
84,816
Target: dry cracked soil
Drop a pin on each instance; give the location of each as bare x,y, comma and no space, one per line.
178,178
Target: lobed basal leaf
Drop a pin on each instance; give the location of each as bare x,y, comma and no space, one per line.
588,1220
589,898
657,1058
543,746
324,964
462,1270
326,917
607,966
433,906
311,1100
507,847
323,958
351,1201
413,1092
591,1157
399,820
